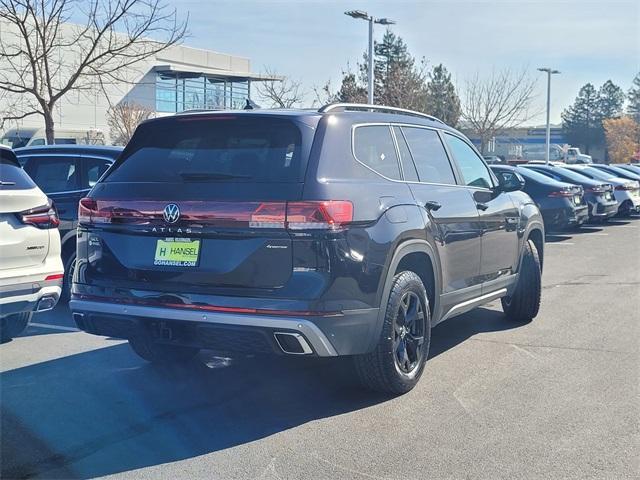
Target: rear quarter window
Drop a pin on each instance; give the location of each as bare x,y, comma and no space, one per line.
191,149
373,146
12,177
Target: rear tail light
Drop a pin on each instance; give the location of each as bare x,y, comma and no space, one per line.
44,216
563,194
597,189
323,214
628,186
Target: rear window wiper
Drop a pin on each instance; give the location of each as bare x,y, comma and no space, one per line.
203,176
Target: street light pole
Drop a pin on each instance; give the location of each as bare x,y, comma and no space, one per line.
370,68
381,21
548,139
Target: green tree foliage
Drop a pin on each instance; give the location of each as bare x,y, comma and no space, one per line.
634,99
441,98
610,100
399,80
582,121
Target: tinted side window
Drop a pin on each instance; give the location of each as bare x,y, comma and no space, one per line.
474,171
374,147
53,174
429,155
408,167
95,167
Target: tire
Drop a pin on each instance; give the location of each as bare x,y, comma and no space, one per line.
69,267
524,304
160,353
397,362
13,325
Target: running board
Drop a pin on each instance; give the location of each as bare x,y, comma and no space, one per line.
464,307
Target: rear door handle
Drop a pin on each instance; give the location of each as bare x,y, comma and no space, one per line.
432,205
482,206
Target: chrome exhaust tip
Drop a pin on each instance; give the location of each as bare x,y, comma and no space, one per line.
46,303
292,343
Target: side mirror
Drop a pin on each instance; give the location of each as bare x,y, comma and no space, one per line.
510,181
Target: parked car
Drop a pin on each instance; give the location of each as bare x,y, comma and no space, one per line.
32,137
630,167
30,266
626,192
348,231
66,173
490,159
562,204
616,171
598,195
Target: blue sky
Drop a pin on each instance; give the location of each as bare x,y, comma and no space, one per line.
313,41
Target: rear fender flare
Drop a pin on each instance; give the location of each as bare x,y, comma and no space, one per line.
404,249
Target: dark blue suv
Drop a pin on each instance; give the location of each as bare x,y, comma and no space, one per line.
347,231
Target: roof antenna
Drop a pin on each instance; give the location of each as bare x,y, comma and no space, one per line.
251,105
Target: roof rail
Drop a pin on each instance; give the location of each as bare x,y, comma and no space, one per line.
378,108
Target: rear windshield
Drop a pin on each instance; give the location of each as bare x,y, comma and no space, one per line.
12,177
212,149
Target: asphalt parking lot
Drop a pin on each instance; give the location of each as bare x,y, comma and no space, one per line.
557,398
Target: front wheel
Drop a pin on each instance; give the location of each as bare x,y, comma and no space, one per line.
524,304
13,325
396,364
161,353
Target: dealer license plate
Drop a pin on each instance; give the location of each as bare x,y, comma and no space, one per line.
177,252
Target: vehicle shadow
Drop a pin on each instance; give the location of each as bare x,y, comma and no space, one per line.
105,411
450,333
557,237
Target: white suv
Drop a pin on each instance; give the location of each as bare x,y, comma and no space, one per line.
31,269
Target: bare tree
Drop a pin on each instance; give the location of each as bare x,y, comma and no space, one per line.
281,92
43,58
498,102
124,118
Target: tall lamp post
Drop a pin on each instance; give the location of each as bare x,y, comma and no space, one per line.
381,21
549,73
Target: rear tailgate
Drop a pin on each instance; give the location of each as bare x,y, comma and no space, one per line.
197,204
22,244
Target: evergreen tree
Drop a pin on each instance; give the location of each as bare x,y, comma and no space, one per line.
581,122
441,98
634,99
351,91
398,82
610,100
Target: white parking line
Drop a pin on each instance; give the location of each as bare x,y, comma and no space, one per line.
599,234
559,243
54,327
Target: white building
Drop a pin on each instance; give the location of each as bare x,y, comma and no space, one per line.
179,78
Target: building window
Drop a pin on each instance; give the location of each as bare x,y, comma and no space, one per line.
176,92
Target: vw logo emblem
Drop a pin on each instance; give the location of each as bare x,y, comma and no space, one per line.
171,213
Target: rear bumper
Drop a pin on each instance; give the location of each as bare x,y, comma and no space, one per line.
33,296
604,210
345,334
564,217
